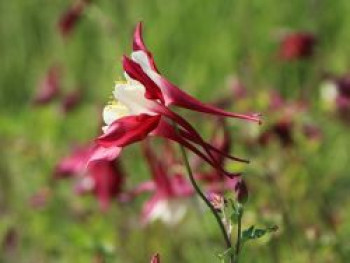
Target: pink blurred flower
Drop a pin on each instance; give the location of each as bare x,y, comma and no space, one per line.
236,91
238,88
71,100
40,199
343,84
170,191
104,179
141,107
281,130
49,86
71,16
343,98
155,258
312,132
277,102
73,164
217,200
297,46
10,240
335,94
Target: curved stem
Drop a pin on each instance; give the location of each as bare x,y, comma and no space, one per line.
239,231
200,193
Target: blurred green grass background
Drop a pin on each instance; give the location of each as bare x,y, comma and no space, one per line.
197,45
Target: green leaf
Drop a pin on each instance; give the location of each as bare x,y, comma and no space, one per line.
255,233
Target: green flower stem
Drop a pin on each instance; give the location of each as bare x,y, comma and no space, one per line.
200,193
239,233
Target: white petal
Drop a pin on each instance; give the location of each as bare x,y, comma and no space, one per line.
170,211
141,58
329,91
105,128
87,183
113,112
133,97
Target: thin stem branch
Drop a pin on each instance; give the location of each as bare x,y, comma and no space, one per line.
202,196
239,234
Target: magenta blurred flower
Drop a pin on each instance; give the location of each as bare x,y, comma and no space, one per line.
343,84
39,199
10,240
237,88
74,164
312,132
297,46
170,189
236,91
104,179
140,108
71,16
343,98
277,102
49,86
281,130
71,100
155,258
335,94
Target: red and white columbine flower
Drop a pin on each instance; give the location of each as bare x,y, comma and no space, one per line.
140,108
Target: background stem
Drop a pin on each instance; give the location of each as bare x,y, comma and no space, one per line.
239,231
201,194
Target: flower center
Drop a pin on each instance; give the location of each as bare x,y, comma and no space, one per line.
128,99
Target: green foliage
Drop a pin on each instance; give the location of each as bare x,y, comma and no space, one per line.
252,233
198,44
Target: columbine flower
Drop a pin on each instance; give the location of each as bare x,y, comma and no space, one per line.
104,179
49,86
297,46
140,108
169,201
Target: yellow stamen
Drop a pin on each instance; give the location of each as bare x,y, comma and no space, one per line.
120,82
